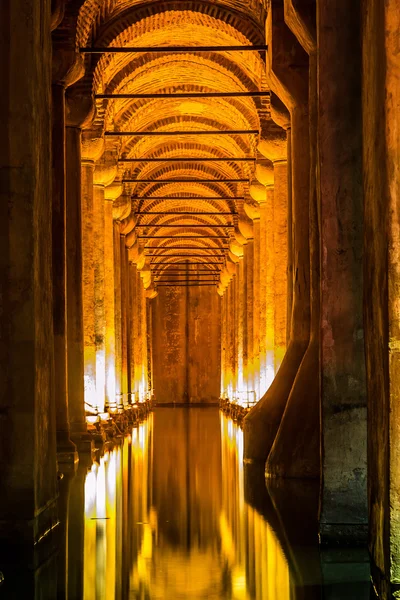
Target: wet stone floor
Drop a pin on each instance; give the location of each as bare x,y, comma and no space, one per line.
173,514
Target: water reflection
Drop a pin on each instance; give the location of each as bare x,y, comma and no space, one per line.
172,514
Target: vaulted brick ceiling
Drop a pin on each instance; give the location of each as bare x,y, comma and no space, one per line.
140,23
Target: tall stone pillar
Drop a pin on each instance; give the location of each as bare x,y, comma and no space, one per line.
104,174
77,114
92,149
74,293
270,284
125,383
263,194
287,68
257,299
112,192
296,450
118,314
66,449
27,418
344,404
274,147
134,343
67,69
381,152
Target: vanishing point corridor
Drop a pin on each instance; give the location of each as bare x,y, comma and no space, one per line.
199,299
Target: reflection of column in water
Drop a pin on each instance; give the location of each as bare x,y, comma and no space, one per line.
140,534
258,567
186,499
101,542
90,534
76,530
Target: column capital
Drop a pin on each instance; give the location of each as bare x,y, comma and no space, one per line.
79,108
105,171
265,176
252,211
67,66
122,207
274,148
92,147
245,226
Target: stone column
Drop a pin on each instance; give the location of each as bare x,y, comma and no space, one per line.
296,450
66,449
257,299
118,314
104,174
240,318
263,194
287,68
92,149
134,281
274,147
125,386
250,314
381,152
27,417
270,284
74,291
112,192
344,404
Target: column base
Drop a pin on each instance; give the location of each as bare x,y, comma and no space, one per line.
66,449
83,442
343,534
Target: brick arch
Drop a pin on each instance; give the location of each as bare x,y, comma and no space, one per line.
95,17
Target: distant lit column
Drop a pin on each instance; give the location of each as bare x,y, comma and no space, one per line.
281,256
256,301
132,321
117,313
92,149
270,284
250,314
103,175
124,283
112,192
240,317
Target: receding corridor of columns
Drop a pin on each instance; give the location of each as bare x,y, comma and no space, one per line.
199,292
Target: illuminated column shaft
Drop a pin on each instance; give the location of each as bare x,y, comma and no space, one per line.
149,345
256,304
74,290
224,344
250,315
240,317
133,328
88,244
270,285
263,298
65,448
137,342
281,257
109,304
144,383
124,282
289,272
234,284
244,319
117,313
99,291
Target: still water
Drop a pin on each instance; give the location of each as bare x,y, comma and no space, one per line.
173,514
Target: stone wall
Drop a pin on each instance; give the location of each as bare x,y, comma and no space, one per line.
186,345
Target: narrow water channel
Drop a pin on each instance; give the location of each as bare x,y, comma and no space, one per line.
173,514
